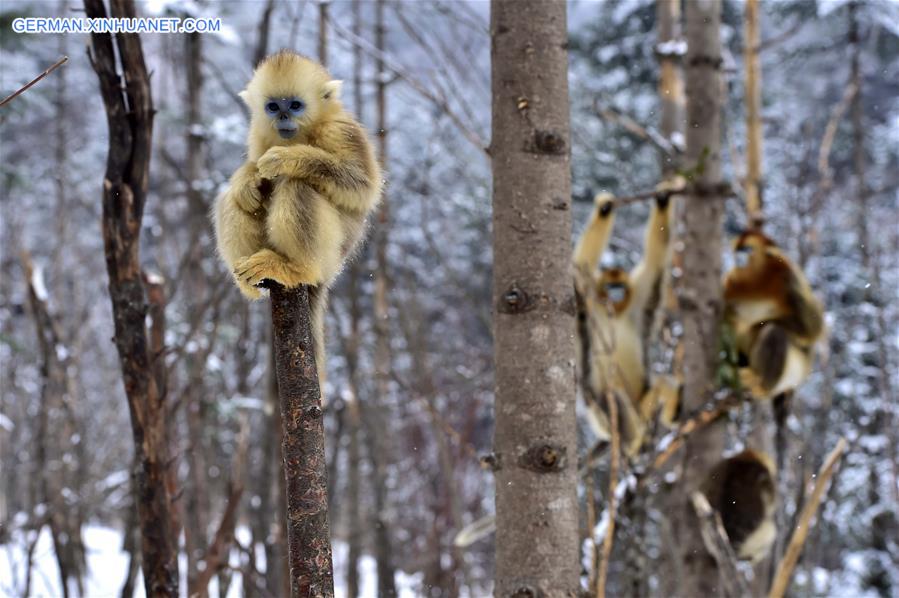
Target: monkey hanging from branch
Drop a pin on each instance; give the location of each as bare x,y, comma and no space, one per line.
297,208
615,301
774,316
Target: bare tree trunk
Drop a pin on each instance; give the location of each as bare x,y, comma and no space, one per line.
671,86
263,33
56,425
354,416
535,441
382,358
699,288
305,466
753,182
323,7
129,110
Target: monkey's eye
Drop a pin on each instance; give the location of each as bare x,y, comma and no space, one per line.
296,106
271,107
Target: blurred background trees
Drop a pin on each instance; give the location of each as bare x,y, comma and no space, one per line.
410,374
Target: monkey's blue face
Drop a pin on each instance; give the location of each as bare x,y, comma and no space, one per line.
284,112
742,255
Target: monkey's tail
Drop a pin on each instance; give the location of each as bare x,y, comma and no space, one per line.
318,305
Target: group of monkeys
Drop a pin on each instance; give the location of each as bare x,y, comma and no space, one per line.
298,206
775,321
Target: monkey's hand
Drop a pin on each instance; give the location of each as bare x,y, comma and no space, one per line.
605,203
281,161
245,188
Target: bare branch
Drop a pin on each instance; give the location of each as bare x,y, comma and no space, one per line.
413,82
612,508
646,133
23,89
794,548
718,545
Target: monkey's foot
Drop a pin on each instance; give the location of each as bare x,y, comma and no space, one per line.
753,383
268,265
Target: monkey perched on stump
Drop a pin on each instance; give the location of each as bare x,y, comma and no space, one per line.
741,488
615,324
775,317
297,208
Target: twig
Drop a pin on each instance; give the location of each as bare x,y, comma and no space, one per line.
21,90
440,102
716,542
697,422
797,540
612,506
637,130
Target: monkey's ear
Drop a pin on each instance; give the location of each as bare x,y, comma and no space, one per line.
331,90
245,96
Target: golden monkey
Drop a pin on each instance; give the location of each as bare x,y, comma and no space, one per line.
775,317
741,488
297,208
615,323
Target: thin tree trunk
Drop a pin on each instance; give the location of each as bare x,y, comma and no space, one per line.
671,86
382,358
354,416
305,466
699,288
753,182
129,110
535,441
323,7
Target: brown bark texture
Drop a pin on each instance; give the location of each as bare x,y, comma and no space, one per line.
305,466
699,287
535,440
753,184
129,111
671,87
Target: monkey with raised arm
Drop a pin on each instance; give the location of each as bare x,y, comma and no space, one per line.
616,300
297,208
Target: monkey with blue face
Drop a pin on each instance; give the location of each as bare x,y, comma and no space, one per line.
297,208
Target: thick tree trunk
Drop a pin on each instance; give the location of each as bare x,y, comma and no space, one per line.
699,288
305,466
535,442
129,111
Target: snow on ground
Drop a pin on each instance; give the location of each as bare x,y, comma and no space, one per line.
107,564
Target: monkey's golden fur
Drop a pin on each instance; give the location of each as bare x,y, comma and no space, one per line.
614,328
741,488
774,315
297,208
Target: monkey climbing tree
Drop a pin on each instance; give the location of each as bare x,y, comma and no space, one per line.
305,466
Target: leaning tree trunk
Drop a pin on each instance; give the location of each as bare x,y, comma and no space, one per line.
129,114
753,182
535,442
699,288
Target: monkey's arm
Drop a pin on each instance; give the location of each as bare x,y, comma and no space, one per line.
343,168
806,312
655,252
243,188
595,238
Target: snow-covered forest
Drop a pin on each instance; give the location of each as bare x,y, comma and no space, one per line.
420,351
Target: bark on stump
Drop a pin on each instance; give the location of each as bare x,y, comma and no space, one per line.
305,466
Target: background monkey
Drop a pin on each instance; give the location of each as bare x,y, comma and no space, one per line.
776,319
298,206
741,488
616,302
